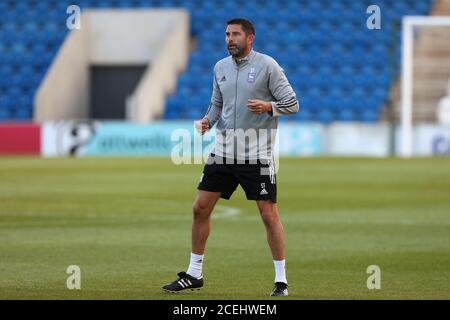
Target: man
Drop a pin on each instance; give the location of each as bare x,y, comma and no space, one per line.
250,91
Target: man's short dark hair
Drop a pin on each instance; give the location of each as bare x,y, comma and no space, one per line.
246,25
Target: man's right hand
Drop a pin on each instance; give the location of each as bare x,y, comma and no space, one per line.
202,125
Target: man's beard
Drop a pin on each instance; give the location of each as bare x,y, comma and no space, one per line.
236,51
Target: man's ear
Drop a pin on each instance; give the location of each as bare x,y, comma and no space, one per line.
251,38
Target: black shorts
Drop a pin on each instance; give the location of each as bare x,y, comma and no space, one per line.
257,179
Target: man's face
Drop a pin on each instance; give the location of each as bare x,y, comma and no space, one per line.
237,40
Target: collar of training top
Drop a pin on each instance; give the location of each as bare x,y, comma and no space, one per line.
246,58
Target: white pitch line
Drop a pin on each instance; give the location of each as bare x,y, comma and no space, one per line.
225,212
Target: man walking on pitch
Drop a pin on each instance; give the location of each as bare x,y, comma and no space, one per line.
250,92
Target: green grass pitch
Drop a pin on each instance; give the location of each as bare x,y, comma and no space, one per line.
126,223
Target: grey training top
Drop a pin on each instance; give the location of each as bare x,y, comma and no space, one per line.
241,134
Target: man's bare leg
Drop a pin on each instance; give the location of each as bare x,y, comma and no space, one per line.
275,238
201,220
201,225
275,232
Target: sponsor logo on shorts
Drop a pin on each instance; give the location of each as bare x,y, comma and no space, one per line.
263,191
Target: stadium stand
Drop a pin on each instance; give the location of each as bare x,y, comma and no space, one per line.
341,70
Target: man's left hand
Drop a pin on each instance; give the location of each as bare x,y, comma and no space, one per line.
259,106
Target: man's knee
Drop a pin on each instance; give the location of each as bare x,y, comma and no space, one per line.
204,204
269,214
201,209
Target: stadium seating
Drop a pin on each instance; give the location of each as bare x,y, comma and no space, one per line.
340,70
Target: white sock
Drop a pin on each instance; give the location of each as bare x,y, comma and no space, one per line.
196,266
280,270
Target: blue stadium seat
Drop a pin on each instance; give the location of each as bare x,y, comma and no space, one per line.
23,114
172,108
324,116
303,115
5,115
369,116
345,115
